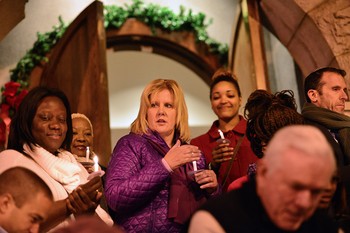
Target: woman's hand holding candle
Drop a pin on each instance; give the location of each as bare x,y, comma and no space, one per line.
222,152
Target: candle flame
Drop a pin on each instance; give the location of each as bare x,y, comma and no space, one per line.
221,134
87,154
194,165
95,163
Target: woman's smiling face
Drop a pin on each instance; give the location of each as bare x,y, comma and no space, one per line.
225,100
49,126
82,136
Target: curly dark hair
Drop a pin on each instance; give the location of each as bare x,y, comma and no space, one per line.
266,113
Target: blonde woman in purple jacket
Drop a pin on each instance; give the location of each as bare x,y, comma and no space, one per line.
151,185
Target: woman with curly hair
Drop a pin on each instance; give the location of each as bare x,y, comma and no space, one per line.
267,113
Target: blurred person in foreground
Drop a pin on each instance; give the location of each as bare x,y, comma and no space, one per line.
151,182
88,224
25,201
298,165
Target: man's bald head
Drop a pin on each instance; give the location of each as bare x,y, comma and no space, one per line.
297,167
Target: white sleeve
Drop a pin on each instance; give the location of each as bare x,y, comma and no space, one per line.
202,221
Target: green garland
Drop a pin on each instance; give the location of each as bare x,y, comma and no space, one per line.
153,15
157,16
37,54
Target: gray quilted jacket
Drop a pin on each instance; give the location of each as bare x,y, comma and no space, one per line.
137,185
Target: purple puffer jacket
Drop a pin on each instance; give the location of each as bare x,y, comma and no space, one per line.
137,185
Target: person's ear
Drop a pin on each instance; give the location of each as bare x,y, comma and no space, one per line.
313,95
6,201
261,174
261,168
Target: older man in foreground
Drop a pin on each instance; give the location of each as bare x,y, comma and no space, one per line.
297,167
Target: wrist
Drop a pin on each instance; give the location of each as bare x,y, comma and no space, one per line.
166,165
69,209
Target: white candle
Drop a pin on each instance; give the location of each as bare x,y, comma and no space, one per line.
194,165
87,154
221,134
95,163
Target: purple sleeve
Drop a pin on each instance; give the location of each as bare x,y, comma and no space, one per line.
135,175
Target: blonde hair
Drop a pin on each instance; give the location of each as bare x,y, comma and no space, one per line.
140,124
80,115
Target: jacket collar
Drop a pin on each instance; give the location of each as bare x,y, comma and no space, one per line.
155,137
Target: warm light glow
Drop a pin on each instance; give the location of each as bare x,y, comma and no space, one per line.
87,153
95,163
221,134
194,165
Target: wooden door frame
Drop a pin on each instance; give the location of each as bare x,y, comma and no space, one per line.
179,46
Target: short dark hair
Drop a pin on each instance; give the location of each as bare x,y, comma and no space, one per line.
313,80
21,124
224,75
22,184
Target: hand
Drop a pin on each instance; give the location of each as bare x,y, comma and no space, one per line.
91,186
221,153
207,180
179,155
79,203
89,167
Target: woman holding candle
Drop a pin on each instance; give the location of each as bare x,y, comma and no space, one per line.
82,142
82,148
150,183
40,137
228,158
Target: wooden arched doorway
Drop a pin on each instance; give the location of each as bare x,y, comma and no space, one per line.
179,46
77,64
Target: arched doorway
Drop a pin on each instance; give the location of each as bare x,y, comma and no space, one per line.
77,64
174,55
